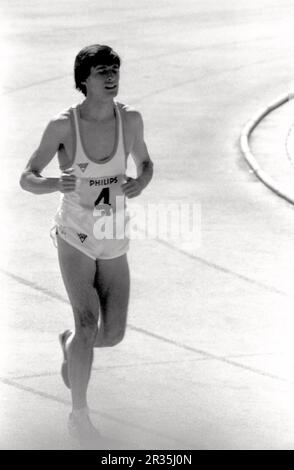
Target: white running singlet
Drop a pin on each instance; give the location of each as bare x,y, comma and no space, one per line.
93,217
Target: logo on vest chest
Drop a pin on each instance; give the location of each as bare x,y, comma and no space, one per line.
83,166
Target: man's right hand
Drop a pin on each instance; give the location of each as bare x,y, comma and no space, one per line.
67,182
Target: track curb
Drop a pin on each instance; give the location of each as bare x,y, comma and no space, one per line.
247,130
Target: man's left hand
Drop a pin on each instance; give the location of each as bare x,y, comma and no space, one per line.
132,188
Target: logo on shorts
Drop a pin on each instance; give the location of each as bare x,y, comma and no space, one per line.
83,166
82,237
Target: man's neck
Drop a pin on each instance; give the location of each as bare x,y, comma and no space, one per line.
95,110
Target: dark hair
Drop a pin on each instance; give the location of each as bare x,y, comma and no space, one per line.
91,56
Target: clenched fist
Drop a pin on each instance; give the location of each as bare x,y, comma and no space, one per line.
132,187
68,181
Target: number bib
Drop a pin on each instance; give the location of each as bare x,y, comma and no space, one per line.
102,193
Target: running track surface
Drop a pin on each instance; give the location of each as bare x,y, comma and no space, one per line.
207,362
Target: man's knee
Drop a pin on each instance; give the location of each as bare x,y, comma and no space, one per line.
113,337
86,326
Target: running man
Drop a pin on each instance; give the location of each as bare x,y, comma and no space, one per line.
92,141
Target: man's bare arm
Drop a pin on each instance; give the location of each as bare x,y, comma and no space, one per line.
31,179
141,157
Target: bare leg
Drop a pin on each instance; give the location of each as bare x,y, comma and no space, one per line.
78,273
91,284
113,286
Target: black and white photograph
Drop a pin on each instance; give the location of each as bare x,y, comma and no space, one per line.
147,235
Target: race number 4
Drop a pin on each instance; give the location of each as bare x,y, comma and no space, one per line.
103,197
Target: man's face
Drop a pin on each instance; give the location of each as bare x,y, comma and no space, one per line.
103,81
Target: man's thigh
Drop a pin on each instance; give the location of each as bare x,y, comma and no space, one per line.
78,273
113,286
